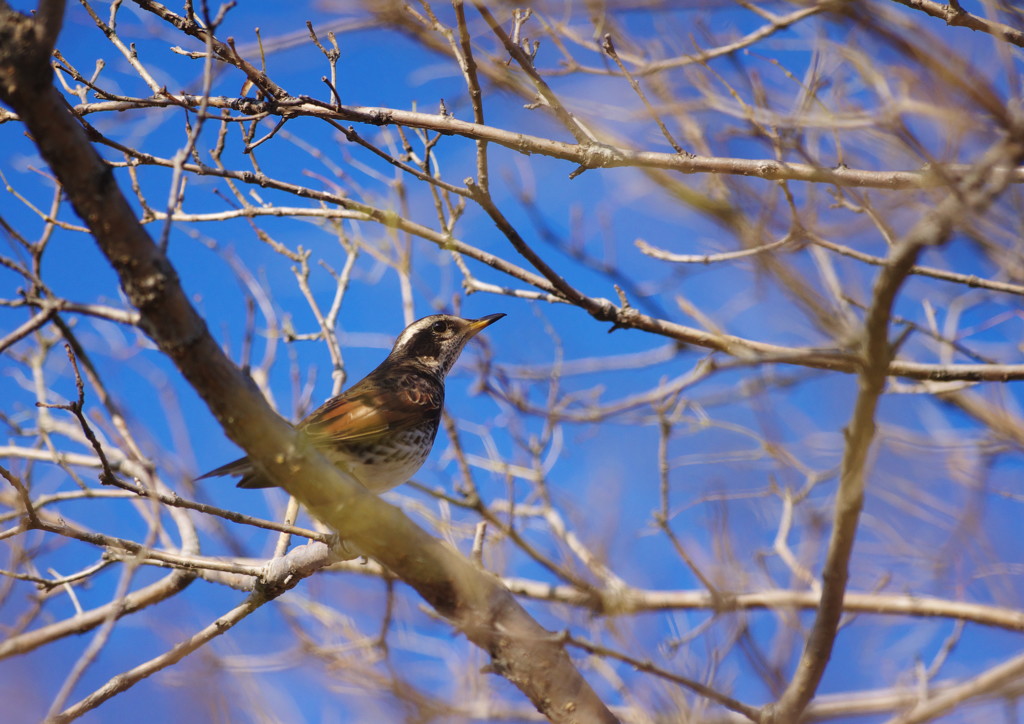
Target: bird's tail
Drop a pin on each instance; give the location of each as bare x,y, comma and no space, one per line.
250,477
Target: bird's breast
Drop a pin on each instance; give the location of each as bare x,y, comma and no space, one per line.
384,464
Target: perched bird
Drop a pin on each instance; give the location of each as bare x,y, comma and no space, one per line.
382,428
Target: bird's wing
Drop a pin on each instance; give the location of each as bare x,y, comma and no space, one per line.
371,408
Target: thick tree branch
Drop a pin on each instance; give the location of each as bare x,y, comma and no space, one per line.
473,600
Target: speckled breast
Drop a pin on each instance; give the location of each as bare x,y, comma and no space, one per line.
384,464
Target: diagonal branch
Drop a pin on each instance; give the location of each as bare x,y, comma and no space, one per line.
991,680
953,14
474,601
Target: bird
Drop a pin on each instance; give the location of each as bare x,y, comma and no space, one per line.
381,429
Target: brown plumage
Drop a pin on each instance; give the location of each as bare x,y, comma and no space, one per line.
382,428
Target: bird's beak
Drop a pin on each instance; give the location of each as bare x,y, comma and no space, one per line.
475,325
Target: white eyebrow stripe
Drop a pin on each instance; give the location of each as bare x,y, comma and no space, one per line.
413,329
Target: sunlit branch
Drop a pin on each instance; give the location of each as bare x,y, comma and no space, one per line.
588,156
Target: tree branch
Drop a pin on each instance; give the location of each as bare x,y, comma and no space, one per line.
474,601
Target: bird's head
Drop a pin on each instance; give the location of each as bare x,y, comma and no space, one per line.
436,341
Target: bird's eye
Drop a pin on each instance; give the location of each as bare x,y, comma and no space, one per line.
439,327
